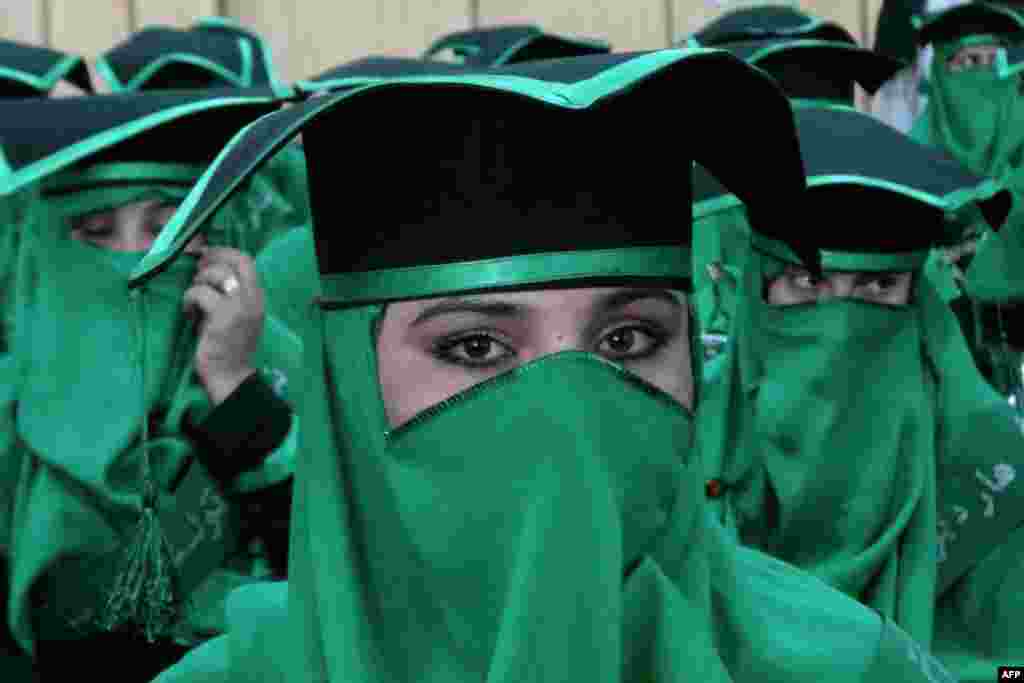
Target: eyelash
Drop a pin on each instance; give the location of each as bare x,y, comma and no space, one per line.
443,350
886,282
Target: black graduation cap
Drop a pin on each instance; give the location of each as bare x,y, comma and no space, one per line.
818,69
39,137
873,189
214,53
499,45
369,70
30,70
894,29
767,21
559,158
973,18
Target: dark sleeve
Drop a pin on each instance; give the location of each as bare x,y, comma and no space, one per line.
242,431
237,436
266,515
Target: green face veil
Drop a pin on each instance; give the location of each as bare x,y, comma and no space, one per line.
514,531
845,434
100,469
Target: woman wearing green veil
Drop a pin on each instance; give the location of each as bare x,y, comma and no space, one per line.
144,448
499,480
838,67
846,429
974,114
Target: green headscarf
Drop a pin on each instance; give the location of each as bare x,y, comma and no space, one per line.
288,272
975,115
514,531
75,455
816,473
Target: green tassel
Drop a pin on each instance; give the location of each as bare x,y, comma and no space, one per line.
143,597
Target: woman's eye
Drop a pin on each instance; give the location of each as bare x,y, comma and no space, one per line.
630,342
478,350
880,285
803,280
94,229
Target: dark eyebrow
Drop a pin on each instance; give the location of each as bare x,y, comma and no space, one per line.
625,297
504,309
500,309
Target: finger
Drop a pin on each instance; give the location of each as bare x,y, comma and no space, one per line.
241,263
215,276
201,299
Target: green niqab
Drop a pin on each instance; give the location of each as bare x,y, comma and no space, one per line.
790,400
99,437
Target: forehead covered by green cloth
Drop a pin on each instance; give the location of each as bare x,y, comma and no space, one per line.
111,150
914,190
516,530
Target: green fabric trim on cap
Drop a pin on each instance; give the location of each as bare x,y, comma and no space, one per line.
5,167
437,280
709,207
45,82
515,47
121,173
1003,67
806,42
951,203
241,80
821,103
279,87
511,50
108,74
976,39
575,95
60,70
920,23
805,103
69,155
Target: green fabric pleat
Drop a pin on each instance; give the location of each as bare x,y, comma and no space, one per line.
560,551
719,238
290,278
962,434
996,275
976,116
74,375
814,472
